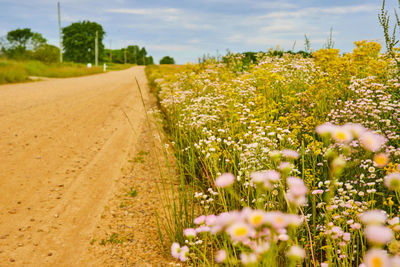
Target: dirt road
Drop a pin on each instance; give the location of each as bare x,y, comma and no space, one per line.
63,143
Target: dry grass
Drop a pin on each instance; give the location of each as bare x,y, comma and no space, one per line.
12,71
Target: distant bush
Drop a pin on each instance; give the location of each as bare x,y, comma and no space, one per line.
11,72
167,60
47,53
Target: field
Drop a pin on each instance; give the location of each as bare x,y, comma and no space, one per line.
12,71
284,161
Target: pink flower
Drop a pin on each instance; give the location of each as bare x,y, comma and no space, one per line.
248,258
373,217
342,135
378,234
376,258
189,232
256,217
372,141
356,129
225,180
210,219
202,229
317,192
395,261
296,252
394,221
325,129
392,181
297,191
240,231
276,219
199,220
296,186
294,220
220,256
183,254
267,178
346,237
381,160
290,154
272,176
175,250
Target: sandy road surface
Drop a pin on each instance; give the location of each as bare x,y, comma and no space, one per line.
62,145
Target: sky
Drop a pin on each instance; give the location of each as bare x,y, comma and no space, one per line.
189,29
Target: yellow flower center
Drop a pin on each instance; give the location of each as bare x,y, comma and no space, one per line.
241,231
394,183
381,160
377,262
340,135
256,219
279,219
369,141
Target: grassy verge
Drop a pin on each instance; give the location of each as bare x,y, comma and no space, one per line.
12,71
114,66
58,70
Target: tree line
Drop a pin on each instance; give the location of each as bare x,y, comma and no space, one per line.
23,44
78,46
131,54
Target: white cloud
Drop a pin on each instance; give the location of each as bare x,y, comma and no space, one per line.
199,26
236,38
171,47
279,27
255,3
163,14
194,41
144,11
312,11
274,5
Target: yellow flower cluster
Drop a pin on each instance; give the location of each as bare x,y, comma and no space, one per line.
232,115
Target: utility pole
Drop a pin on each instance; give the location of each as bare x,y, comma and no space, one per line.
96,49
124,55
59,30
110,52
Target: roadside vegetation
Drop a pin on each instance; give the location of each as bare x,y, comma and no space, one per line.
12,71
286,160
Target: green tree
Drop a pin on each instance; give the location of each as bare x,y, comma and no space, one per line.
37,41
20,43
19,37
149,60
132,54
141,57
167,60
79,41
